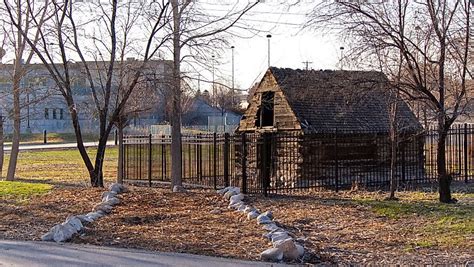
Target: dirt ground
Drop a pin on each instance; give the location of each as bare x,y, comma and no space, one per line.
336,228
156,219
348,232
28,220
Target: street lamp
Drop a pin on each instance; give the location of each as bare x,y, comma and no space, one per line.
214,93
233,88
268,38
342,55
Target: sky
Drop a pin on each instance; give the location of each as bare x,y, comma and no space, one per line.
290,45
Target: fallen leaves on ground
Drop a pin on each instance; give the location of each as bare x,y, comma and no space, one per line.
157,219
30,219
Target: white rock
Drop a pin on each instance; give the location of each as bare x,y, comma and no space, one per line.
74,222
271,227
249,209
252,215
300,249
84,219
225,190
109,194
278,236
241,208
262,219
94,215
238,197
229,194
269,214
63,232
272,254
234,201
116,187
111,201
49,236
236,205
178,189
288,247
102,207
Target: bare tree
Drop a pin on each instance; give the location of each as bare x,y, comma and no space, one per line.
64,48
22,15
193,30
1,143
433,38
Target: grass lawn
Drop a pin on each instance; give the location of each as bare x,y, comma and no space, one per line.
53,138
61,167
18,191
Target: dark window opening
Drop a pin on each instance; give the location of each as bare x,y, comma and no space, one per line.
268,105
257,120
61,114
54,114
46,113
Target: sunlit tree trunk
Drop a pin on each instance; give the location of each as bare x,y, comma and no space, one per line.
15,148
1,145
176,159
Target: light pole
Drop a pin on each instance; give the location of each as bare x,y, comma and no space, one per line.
342,55
233,88
268,38
214,93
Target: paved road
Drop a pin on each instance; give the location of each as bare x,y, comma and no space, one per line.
28,253
56,146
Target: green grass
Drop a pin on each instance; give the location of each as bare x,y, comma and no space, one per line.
61,167
440,224
19,191
53,138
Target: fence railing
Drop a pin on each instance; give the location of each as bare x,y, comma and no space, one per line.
271,163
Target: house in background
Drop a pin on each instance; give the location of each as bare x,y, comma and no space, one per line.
305,111
43,108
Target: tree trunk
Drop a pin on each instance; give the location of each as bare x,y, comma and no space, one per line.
79,141
443,177
120,154
176,160
393,167
16,122
1,145
98,178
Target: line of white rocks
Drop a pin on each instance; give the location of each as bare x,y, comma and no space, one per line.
74,224
284,246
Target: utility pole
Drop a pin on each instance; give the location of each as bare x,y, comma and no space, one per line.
268,38
233,88
199,82
342,56
214,92
307,63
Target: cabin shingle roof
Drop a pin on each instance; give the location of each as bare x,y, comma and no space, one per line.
349,101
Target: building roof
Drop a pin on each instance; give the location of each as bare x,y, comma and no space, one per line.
349,101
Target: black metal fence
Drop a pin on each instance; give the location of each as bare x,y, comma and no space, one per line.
271,163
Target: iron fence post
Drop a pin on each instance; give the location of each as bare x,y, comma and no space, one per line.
466,169
149,159
336,160
214,159
264,167
226,159
244,163
403,162
163,158
199,156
